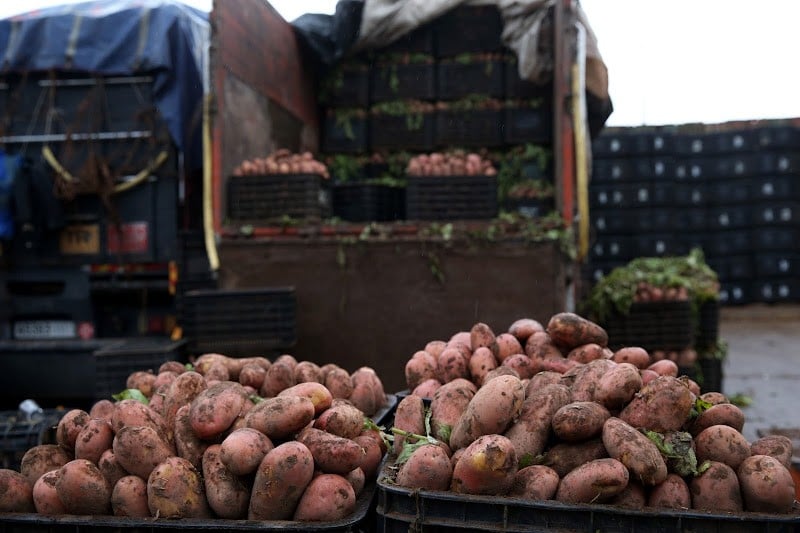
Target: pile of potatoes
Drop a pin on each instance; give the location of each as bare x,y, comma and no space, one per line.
226,438
454,163
282,162
549,413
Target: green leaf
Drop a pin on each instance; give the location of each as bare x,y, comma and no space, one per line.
131,394
741,400
525,460
444,431
189,367
703,467
677,449
255,398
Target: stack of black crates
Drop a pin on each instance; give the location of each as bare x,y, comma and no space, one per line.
731,189
449,84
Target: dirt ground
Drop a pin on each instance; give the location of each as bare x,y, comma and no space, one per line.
763,363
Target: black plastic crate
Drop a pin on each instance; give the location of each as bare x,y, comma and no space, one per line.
468,29
398,81
463,76
732,267
734,141
735,166
597,270
345,132
690,193
786,264
775,239
736,292
778,137
451,197
418,41
695,168
115,362
726,242
270,197
474,128
346,86
707,333
634,169
365,202
777,213
528,124
633,221
691,218
655,245
21,431
642,194
728,192
780,163
729,217
239,321
712,372
621,144
403,132
777,290
530,207
664,325
613,248
776,187
517,88
693,144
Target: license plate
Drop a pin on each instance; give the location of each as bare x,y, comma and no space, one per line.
44,329
80,239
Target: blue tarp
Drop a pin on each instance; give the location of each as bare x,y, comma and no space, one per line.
165,39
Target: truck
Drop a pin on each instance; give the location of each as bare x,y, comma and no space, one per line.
131,150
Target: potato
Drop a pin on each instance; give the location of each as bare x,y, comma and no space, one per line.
586,353
634,355
342,418
481,362
16,492
716,490
633,496
279,376
181,391
540,345
594,482
357,480
327,498
725,414
525,366
568,331
487,466
134,413
227,494
187,444
307,372
460,347
428,468
648,376
451,365
82,488
367,375
102,409
664,404
215,409
332,454
280,417
139,449
172,366
373,454
617,386
175,490
280,481
579,421
767,485
714,398
435,347
129,497
540,379
633,449
110,467
217,372
141,380
94,439
778,446
665,367
490,411
507,345
69,426
723,444
319,395
363,397
338,382
409,416
447,405
252,375
524,328
45,496
564,457
42,458
530,432
427,388
672,493
242,451
481,335
500,371
587,378
535,482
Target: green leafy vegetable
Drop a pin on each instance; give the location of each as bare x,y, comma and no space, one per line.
131,394
677,448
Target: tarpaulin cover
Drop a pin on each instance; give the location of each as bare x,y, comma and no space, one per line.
164,39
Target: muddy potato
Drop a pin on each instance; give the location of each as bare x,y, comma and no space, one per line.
134,413
338,381
82,488
633,449
342,418
540,379
435,347
767,485
617,386
181,391
725,414
664,404
507,345
594,482
110,467
139,449
280,376
242,451
586,353
319,395
357,480
723,444
540,345
172,366
487,466
95,438
525,366
327,498
332,454
531,430
307,371
366,383
447,405
714,398
129,497
373,454
665,367
481,362
564,457
280,417
634,355
427,388
778,446
535,482
45,496
451,365
491,411
102,409
568,331
633,496
501,370
524,328
69,426
482,335
579,421
280,481
252,375
142,381
428,468
228,495
716,490
187,444
42,458
587,378
672,493
16,492
409,417
175,490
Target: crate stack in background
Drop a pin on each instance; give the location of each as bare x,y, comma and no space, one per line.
731,189
448,85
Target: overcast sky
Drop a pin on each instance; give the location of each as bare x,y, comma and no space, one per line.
669,61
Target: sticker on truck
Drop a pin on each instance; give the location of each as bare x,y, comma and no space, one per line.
44,329
80,239
130,238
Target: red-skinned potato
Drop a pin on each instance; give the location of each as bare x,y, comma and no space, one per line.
328,497
634,355
482,335
338,382
95,438
487,466
593,482
427,388
421,367
280,417
409,417
228,495
481,362
568,331
525,366
43,458
767,485
69,426
129,497
175,490
490,411
16,492
428,468
83,489
280,481
319,395
242,451
524,328
507,345
45,496
535,482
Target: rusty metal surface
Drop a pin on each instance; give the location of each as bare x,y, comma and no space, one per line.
377,303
